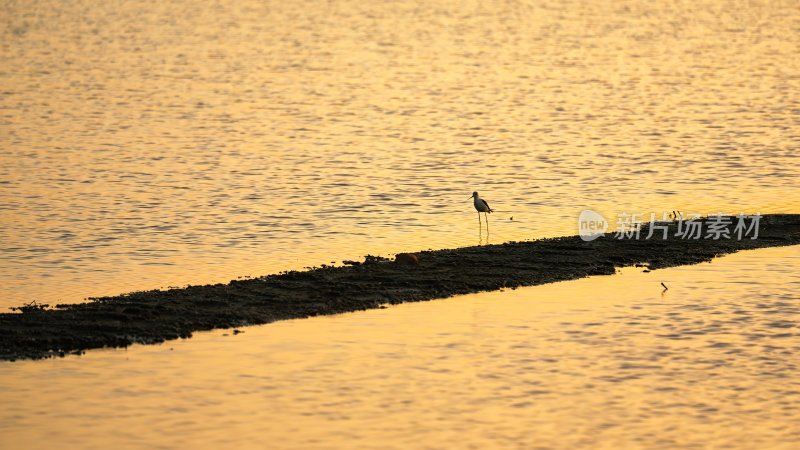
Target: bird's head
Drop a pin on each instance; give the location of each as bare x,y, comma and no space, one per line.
474,195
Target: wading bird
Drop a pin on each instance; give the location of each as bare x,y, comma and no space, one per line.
482,207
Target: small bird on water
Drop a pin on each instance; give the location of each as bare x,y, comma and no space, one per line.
482,207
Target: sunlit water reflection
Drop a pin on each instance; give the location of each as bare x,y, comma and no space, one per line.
148,144
605,362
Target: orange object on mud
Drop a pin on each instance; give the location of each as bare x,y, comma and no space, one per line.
406,259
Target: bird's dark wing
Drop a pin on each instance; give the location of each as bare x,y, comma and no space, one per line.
487,205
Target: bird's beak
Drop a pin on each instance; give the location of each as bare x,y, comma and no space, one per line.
469,197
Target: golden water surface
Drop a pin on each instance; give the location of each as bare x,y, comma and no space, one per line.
608,362
145,144
158,143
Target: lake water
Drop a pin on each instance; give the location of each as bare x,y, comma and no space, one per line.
150,144
599,363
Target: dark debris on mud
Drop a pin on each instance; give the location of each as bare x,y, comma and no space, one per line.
156,316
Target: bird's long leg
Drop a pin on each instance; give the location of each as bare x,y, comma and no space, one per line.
487,222
480,230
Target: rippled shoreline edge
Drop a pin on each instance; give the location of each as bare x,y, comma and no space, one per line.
156,316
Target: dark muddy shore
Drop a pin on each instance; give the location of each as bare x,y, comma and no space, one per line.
156,316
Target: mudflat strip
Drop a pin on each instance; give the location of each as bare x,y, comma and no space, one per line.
156,316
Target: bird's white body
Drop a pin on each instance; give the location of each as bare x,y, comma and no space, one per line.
482,207
480,204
